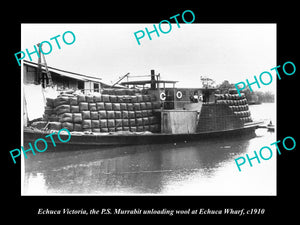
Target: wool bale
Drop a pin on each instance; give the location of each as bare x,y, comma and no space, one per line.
86,115
123,106
77,118
125,115
96,130
139,121
120,98
138,114
62,109
132,129
149,112
143,106
155,105
46,117
152,98
154,128
132,122
127,99
108,91
145,121
94,115
54,125
118,123
136,106
148,105
89,130
61,100
131,114
53,118
146,127
130,107
111,129
102,114
95,124
125,122
48,110
92,106
74,109
39,124
50,102
83,106
81,98
68,125
153,120
110,123
110,114
126,128
108,106
103,123
119,129
104,91
89,98
105,98
113,98
139,128
139,98
66,117
121,91
98,98
118,115
104,130
130,92
146,98
116,106
77,127
100,106
133,99
86,124
144,113
74,100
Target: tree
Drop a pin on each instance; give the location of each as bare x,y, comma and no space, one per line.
207,82
225,86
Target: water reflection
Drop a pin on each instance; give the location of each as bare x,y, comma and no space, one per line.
135,169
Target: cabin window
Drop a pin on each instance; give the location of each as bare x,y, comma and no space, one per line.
96,87
80,85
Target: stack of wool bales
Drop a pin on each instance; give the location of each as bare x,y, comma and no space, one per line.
237,104
114,110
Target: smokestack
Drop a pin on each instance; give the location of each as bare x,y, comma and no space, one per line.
153,85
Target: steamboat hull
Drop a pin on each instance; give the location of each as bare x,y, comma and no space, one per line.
94,141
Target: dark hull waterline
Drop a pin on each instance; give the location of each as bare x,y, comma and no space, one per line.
88,141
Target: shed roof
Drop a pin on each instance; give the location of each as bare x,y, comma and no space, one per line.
65,73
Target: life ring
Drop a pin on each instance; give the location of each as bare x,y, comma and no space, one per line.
179,94
162,96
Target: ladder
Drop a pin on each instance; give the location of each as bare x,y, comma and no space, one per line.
50,82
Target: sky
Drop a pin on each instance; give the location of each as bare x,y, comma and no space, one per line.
233,52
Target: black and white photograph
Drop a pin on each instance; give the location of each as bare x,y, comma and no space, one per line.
149,117
145,110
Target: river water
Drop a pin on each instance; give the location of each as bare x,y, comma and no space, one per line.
200,168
